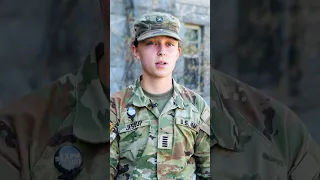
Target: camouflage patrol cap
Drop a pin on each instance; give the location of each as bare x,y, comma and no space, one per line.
156,24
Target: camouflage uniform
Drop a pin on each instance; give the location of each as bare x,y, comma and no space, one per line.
173,144
148,144
72,111
256,137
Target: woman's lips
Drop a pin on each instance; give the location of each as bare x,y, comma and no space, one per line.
161,64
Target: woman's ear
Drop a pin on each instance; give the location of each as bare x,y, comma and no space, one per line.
179,52
135,52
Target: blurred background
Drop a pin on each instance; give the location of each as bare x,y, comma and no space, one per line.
272,45
40,40
192,69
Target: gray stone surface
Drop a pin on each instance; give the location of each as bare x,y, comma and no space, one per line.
163,5
188,13
117,8
204,3
143,4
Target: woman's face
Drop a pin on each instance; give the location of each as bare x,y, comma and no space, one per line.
158,56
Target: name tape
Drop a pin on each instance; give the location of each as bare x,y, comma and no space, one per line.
132,126
184,122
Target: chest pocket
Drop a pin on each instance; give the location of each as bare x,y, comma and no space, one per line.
133,138
186,127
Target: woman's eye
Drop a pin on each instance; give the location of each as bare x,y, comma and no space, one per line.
152,43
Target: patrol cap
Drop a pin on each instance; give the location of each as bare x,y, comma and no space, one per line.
156,24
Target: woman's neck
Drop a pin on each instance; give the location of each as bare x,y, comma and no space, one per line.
156,85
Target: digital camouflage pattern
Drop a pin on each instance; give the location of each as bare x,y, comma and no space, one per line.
72,111
255,137
156,24
174,144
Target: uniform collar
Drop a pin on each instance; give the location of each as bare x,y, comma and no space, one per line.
139,99
92,107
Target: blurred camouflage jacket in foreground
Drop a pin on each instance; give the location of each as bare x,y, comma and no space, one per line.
256,137
253,136
71,113
148,144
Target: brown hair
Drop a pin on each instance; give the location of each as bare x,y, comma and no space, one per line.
136,42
